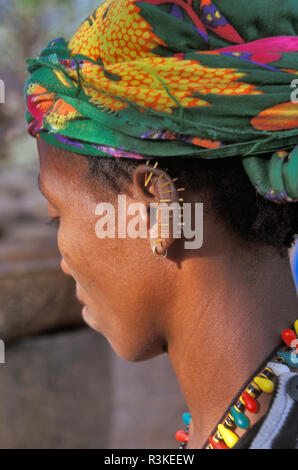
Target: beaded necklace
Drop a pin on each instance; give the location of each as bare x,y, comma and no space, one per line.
224,435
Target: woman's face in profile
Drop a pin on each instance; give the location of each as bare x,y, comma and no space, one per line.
117,280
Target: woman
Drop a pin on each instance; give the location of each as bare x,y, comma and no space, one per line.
182,102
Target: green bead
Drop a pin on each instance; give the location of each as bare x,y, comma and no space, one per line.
289,358
240,419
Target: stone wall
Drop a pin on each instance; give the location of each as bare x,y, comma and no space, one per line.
55,392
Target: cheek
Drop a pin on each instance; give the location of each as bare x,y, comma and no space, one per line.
105,268
73,246
92,262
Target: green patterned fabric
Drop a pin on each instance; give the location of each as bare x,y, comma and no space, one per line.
196,78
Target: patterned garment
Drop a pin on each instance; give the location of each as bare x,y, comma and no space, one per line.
159,78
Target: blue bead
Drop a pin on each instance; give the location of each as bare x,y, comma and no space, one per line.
287,355
186,417
240,419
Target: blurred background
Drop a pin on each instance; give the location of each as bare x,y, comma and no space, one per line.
61,386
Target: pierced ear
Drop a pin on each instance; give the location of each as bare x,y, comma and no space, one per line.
153,185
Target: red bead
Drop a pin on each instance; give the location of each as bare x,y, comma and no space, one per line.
250,403
181,436
288,336
218,444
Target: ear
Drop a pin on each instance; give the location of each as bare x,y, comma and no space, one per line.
157,190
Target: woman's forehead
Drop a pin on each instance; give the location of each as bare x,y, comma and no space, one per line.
58,170
65,174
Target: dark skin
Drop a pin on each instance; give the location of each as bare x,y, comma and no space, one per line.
218,311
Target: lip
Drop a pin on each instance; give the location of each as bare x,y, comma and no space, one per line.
82,301
84,310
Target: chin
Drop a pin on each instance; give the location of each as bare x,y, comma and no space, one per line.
134,352
126,344
90,319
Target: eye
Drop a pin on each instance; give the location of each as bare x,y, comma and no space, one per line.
53,221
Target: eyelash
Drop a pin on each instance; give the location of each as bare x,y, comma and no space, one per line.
52,221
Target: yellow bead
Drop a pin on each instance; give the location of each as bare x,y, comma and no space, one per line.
296,326
265,385
228,436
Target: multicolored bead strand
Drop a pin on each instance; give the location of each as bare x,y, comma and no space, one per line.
182,436
225,436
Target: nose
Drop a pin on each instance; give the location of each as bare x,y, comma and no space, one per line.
64,267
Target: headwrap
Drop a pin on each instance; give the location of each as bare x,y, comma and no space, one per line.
189,78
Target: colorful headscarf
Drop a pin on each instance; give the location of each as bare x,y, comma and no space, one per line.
159,78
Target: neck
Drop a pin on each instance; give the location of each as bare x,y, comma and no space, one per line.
233,315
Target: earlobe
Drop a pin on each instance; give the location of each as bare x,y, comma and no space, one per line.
157,190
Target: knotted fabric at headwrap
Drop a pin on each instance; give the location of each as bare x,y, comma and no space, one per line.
196,78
